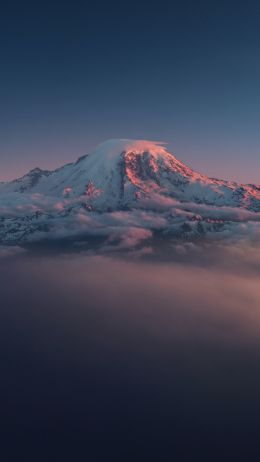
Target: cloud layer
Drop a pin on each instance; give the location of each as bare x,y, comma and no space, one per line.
98,348
31,218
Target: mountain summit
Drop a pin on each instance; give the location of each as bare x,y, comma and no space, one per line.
124,184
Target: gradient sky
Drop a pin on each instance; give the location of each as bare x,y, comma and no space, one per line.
74,74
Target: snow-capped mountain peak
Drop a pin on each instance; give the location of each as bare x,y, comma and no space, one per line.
125,175
121,171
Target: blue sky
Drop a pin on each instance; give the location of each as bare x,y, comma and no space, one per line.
74,74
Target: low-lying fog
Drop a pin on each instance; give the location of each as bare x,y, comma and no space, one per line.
111,358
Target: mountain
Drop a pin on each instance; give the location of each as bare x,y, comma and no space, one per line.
119,172
131,177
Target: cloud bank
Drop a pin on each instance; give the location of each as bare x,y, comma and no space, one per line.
31,218
95,346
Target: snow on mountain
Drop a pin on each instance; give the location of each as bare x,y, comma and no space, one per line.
119,172
122,185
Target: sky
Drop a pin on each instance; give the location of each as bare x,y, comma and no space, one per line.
74,74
